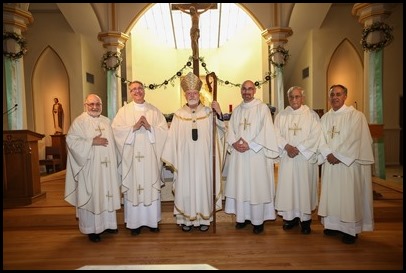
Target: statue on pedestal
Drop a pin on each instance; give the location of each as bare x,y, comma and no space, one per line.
57,113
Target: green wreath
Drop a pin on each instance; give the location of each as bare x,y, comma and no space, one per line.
377,26
107,56
19,40
279,50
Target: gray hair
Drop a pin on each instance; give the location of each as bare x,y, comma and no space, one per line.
294,88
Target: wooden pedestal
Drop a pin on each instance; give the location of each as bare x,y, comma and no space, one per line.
21,177
59,141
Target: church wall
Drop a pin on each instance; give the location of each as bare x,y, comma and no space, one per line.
302,61
91,63
69,47
393,88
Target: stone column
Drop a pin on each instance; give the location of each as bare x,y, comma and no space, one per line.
16,18
113,42
373,14
276,38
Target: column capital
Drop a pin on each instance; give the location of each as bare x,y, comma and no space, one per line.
113,40
277,35
369,13
16,18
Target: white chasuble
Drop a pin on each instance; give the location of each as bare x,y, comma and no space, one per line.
191,159
92,180
140,152
296,191
346,189
251,174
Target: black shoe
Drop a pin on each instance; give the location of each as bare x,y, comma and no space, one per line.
258,229
290,224
186,228
349,239
154,229
242,225
94,237
136,231
204,228
306,227
331,232
113,231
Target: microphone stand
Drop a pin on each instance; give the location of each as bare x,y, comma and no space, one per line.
11,109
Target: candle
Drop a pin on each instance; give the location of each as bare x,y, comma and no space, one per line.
230,108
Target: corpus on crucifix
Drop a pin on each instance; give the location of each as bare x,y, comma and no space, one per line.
193,10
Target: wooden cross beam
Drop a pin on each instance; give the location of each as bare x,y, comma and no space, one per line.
194,10
198,6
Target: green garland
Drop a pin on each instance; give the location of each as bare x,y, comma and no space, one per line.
279,50
188,65
107,56
20,41
377,26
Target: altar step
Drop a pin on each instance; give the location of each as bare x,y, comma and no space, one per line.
65,216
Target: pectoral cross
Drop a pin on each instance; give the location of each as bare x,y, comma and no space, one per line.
332,132
295,128
99,129
108,195
139,156
193,10
245,124
140,189
105,162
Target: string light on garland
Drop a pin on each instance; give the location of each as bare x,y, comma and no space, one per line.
171,80
280,50
258,84
377,26
19,40
188,65
106,58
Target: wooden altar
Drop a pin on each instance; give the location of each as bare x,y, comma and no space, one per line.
21,176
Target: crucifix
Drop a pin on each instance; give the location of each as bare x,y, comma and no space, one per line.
193,10
245,123
332,132
295,128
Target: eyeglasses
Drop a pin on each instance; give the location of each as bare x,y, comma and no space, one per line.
94,104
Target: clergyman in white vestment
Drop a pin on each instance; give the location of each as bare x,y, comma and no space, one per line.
189,153
250,185
140,130
346,153
92,182
299,133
